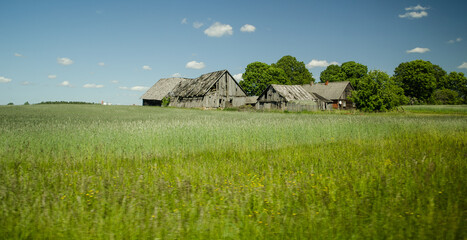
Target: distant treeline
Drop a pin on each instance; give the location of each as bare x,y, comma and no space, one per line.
64,102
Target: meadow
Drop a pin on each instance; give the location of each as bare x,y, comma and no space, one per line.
131,172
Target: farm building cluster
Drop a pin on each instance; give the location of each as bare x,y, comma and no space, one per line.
220,90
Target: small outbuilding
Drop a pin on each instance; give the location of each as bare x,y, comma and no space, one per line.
337,92
160,90
287,97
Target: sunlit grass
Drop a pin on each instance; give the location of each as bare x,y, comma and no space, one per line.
93,172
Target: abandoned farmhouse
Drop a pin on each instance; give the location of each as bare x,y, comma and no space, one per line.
220,90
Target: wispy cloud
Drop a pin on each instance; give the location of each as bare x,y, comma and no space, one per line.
4,79
176,75
51,76
238,77
65,84
320,63
93,85
418,50
463,65
64,61
218,30
415,12
26,83
135,88
195,65
455,40
248,28
416,8
115,81
101,64
197,24
184,21
18,55
147,68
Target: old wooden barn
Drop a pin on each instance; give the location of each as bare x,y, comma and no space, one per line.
211,90
287,97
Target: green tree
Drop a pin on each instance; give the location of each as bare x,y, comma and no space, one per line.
446,96
457,82
258,76
333,73
354,72
348,71
377,92
296,71
417,78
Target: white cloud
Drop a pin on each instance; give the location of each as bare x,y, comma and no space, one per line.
415,12
135,88
456,40
238,77
114,81
65,84
146,67
64,61
92,85
320,63
418,50
4,80
197,24
184,21
218,30
18,55
101,64
416,8
248,28
176,75
51,76
463,65
25,83
195,65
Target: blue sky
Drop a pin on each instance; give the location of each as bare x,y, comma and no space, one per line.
113,51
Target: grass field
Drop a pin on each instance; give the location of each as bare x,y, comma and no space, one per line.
125,172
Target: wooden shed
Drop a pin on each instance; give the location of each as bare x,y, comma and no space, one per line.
338,92
287,97
212,90
160,90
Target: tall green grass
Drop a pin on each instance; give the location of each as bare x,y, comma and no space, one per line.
437,109
105,172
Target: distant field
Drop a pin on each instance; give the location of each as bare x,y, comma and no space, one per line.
126,172
447,109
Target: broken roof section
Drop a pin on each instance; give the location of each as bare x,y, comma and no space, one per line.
292,92
199,86
162,88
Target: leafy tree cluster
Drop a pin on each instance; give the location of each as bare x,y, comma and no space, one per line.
377,91
348,71
288,71
424,82
415,82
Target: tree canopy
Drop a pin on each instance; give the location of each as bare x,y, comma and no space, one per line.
258,76
348,71
377,92
418,78
296,71
333,73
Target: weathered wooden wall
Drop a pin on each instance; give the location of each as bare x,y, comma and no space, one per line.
224,93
